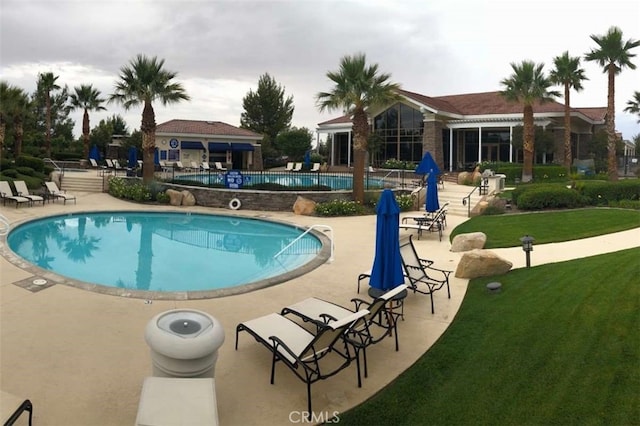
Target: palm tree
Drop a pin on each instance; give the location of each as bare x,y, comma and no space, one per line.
14,104
613,54
567,72
47,84
87,98
528,85
633,106
357,88
143,82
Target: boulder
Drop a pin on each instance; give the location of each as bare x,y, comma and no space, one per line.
469,241
304,206
463,177
188,199
481,263
175,197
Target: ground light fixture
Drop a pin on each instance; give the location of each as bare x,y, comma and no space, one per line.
527,247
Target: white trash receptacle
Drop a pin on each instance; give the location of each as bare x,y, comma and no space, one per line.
184,343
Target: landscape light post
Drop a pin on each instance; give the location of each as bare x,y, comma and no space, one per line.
527,246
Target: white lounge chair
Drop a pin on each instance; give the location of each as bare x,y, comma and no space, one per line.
99,169
23,191
302,351
422,278
297,167
289,167
205,166
56,193
6,193
368,331
315,167
194,166
178,165
219,166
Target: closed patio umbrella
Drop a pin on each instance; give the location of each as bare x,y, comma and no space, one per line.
429,167
133,158
94,154
386,273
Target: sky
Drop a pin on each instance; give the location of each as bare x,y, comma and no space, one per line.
221,48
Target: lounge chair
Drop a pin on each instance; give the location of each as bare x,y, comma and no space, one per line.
110,163
422,223
289,167
178,165
220,167
6,193
422,276
56,193
427,216
99,169
315,167
23,191
13,407
380,317
205,166
194,166
140,164
302,351
297,167
117,166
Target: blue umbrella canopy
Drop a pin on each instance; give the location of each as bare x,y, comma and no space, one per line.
94,154
387,263
429,167
156,157
133,158
307,159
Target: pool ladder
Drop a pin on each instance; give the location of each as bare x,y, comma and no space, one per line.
312,227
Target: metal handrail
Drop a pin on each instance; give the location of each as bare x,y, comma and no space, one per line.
466,201
49,160
312,227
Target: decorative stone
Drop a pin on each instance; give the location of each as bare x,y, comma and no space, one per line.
481,263
494,287
462,177
188,199
304,206
468,241
175,197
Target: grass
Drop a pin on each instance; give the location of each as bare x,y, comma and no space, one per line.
547,227
558,345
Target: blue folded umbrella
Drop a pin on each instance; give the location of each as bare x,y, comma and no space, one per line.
386,273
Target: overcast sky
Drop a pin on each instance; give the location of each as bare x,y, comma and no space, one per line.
221,48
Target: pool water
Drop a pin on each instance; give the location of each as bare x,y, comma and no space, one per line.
163,252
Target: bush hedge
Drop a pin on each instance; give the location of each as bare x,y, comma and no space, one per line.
606,192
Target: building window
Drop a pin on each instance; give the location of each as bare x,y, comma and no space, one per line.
400,129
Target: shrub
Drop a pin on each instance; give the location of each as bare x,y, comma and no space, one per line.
129,189
27,171
162,197
339,208
31,162
392,163
548,197
606,193
12,173
405,201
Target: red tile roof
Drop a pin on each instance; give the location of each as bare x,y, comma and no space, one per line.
208,128
594,113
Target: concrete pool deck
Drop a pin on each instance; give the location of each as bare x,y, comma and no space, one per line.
81,358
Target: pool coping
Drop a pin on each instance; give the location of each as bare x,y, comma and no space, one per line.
53,278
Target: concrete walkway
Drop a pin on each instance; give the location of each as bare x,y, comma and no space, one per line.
81,357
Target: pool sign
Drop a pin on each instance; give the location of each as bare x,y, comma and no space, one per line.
233,179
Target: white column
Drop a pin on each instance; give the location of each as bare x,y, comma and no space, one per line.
349,150
450,150
511,144
479,144
333,148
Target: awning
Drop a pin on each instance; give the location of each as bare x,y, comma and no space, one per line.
242,147
219,147
191,145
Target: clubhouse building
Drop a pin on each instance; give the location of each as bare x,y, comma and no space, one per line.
461,130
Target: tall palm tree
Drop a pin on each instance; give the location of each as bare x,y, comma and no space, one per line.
88,99
613,54
567,72
47,84
14,104
358,86
141,82
528,85
633,106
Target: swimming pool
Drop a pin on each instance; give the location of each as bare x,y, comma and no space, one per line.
140,254
301,179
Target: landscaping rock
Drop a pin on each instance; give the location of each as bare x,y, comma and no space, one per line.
304,206
188,199
481,263
175,197
469,241
463,177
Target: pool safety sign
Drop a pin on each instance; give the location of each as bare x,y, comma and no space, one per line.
233,179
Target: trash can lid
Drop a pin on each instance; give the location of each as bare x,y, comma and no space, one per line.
187,324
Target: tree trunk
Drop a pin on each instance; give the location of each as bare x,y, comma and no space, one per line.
48,124
148,129
528,144
19,136
85,133
567,129
612,166
360,135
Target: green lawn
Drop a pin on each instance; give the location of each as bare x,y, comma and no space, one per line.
559,345
547,227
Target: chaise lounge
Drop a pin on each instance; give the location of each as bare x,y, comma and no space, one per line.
302,351
23,191
6,193
55,192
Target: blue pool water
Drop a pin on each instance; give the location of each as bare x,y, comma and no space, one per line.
166,252
335,182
